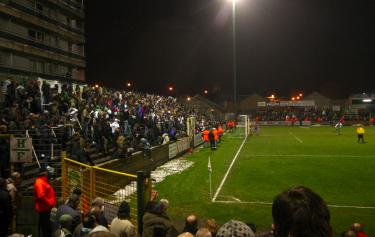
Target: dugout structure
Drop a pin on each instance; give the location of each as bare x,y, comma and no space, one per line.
113,186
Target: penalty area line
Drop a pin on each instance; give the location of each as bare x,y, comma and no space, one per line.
297,138
230,167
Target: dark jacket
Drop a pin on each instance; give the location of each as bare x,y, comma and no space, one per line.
150,220
211,136
65,209
6,213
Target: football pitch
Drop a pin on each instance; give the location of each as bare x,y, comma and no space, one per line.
245,181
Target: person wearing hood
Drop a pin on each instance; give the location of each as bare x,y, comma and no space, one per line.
156,217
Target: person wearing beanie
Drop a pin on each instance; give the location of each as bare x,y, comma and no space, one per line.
235,228
64,229
122,224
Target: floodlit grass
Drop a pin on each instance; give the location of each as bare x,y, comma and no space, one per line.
334,166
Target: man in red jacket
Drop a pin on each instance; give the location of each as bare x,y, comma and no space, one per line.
44,197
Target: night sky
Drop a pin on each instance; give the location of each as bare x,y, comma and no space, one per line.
283,46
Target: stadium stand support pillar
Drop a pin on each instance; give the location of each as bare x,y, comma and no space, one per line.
143,195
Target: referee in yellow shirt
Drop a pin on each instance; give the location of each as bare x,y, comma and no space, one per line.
361,133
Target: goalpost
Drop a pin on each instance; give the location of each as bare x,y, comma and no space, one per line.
243,125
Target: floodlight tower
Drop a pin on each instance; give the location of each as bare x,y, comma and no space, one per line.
234,55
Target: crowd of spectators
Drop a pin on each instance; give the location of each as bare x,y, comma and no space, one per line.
297,212
313,114
125,120
129,121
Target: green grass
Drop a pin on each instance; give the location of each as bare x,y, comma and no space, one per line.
334,166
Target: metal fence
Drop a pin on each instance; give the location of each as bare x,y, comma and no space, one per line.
114,187
47,146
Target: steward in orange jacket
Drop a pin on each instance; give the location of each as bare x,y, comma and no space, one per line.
205,135
220,131
216,134
44,197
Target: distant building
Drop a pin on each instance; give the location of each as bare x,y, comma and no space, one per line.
362,101
319,99
206,106
42,39
249,103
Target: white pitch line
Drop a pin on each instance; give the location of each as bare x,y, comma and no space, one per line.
297,138
308,155
269,204
230,167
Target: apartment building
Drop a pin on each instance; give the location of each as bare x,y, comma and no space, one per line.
42,39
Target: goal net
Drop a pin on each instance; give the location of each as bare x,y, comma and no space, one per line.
242,128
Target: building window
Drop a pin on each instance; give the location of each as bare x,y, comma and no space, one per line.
53,68
39,7
36,35
32,34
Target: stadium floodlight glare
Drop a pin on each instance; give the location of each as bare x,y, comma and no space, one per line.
367,100
206,92
128,84
189,98
300,94
170,88
234,59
